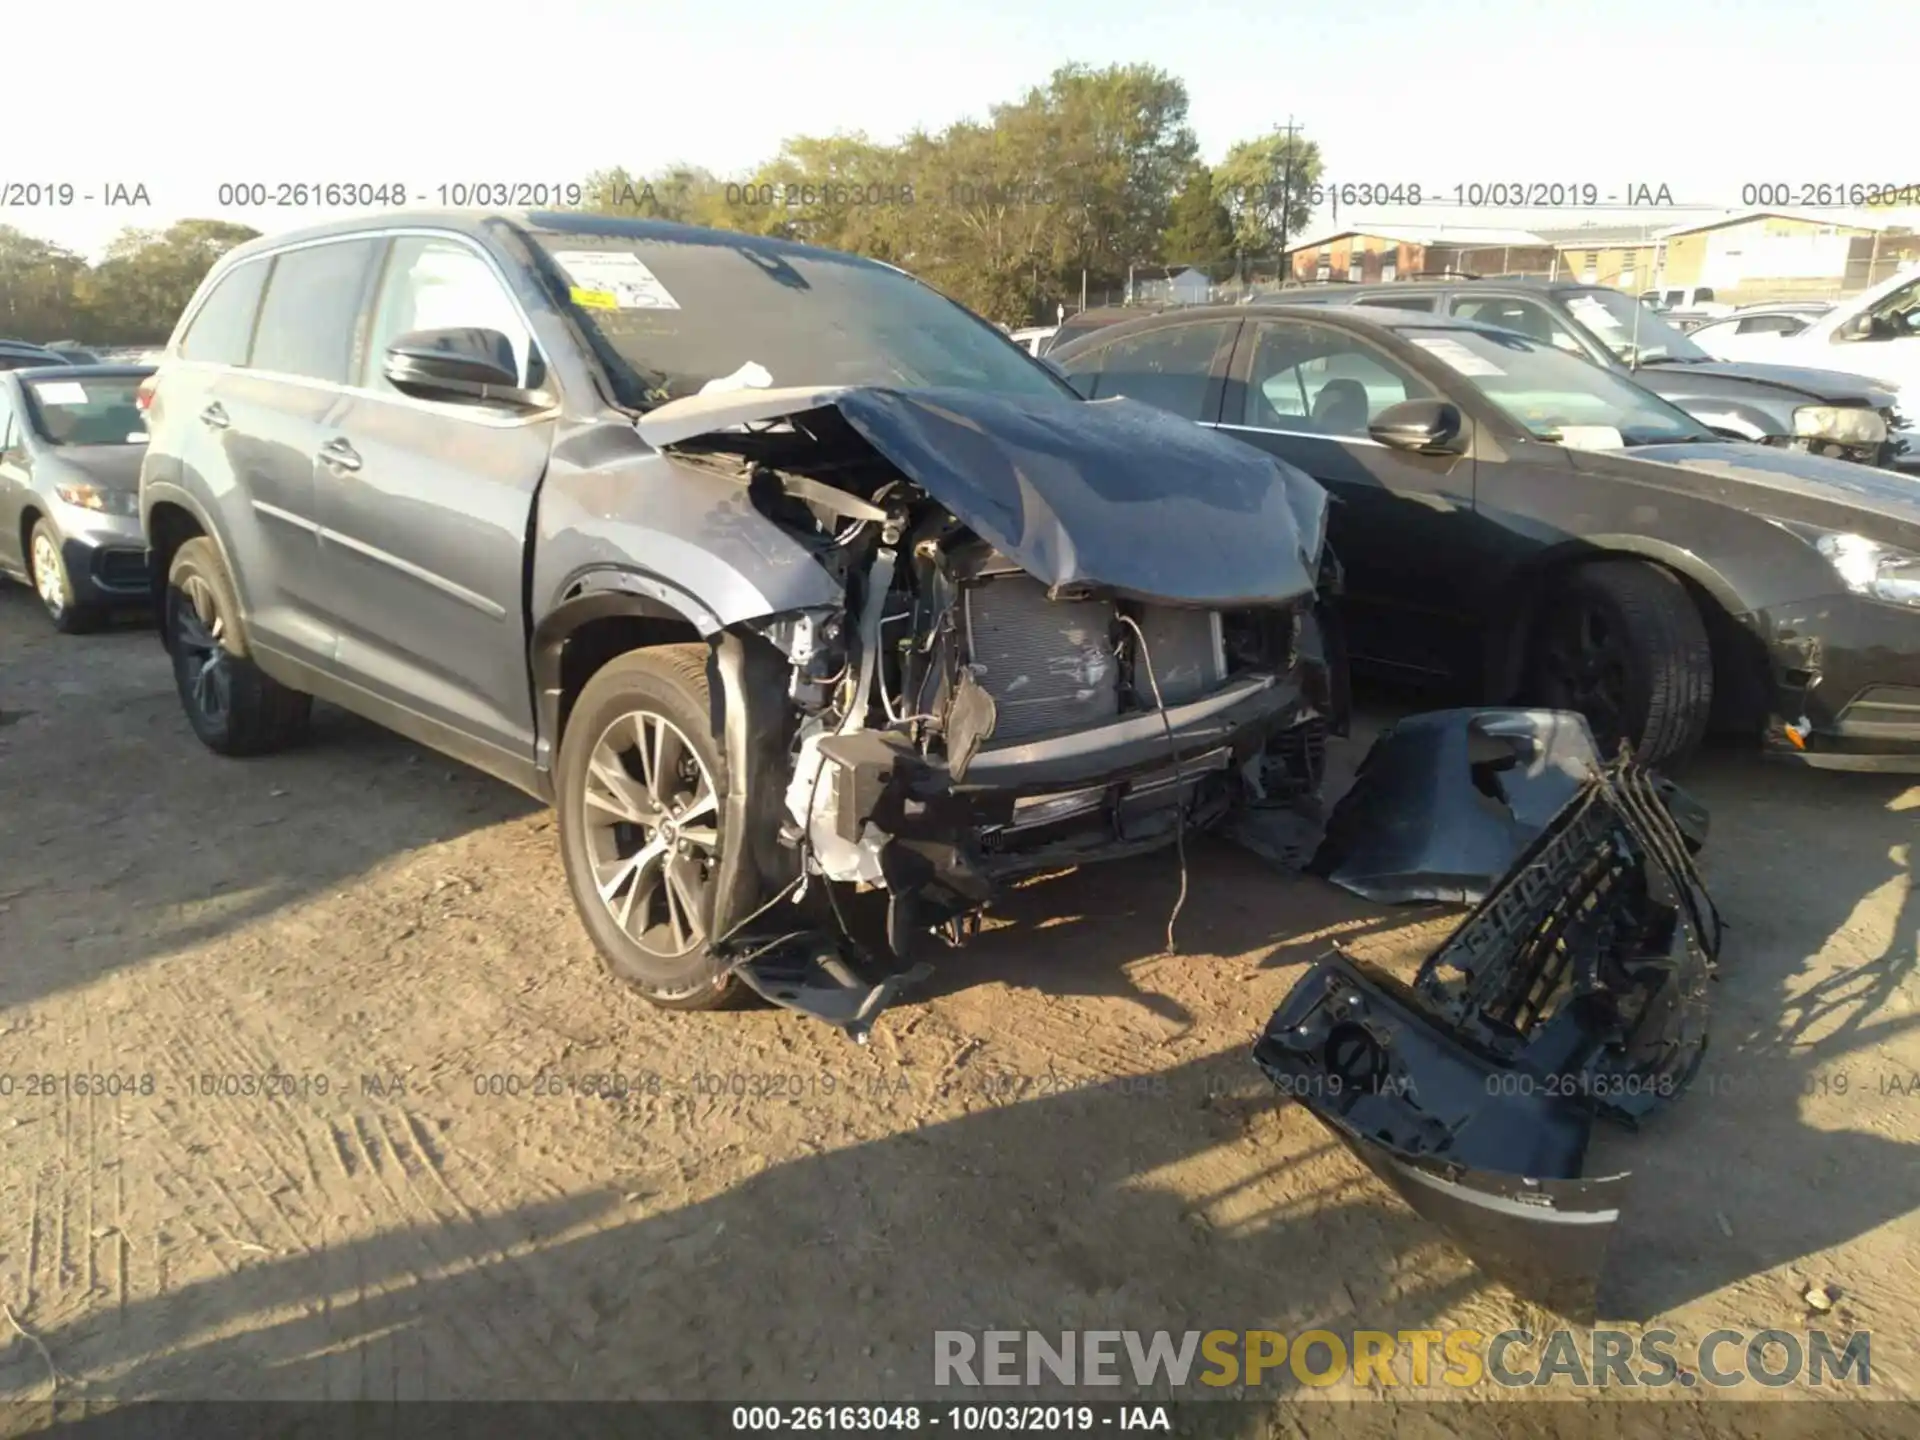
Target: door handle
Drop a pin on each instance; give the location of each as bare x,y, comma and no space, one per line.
214,417
340,455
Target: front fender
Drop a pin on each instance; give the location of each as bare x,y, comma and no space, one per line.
678,535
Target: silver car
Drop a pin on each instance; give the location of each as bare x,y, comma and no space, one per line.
71,441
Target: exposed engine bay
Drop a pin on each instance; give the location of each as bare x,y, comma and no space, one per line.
1009,685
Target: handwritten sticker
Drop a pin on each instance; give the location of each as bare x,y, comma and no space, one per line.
618,273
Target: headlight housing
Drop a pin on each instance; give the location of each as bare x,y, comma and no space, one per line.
100,499
1869,568
1845,424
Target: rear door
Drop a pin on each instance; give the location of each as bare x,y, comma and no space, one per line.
257,390
1179,367
424,507
1402,525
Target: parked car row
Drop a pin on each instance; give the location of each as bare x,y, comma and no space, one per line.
1515,516
1827,412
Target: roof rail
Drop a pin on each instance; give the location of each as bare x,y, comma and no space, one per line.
1445,275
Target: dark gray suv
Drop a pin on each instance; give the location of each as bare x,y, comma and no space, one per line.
761,562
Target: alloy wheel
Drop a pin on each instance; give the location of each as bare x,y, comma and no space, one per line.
198,632
49,575
651,816
1586,663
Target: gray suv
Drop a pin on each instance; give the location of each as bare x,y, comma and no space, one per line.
761,562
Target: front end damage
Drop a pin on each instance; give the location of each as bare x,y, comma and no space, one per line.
1070,632
1575,991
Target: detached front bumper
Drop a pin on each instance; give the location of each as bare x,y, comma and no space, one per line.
1845,683
1576,990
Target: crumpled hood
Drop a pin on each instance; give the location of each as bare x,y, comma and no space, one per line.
1818,386
1108,494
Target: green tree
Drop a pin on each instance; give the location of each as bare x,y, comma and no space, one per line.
1199,230
1005,214
39,282
135,294
688,194
1250,183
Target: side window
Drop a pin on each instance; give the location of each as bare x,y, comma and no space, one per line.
1321,380
1771,325
1899,313
9,428
223,326
434,284
1399,302
1169,367
1529,317
312,310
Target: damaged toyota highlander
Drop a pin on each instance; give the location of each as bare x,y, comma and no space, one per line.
776,571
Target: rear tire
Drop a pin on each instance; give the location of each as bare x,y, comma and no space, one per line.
234,707
641,788
1622,642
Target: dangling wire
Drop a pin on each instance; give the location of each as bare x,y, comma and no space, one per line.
1179,780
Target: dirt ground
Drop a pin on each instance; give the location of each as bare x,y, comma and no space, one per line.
1064,1130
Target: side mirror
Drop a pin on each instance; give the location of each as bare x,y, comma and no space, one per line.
463,366
1426,427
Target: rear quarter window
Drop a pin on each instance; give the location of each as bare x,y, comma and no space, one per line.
223,325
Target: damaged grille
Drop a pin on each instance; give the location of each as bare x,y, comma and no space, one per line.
1055,665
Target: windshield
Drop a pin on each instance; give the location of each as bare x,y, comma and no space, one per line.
91,410
1610,315
1553,393
669,316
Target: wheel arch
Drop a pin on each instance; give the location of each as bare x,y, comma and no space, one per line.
603,614
1739,652
170,517
31,515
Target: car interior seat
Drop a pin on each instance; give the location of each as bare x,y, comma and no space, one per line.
1341,407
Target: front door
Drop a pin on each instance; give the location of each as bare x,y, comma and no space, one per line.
1402,525
424,510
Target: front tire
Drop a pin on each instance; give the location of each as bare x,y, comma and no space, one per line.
1622,642
641,788
234,707
47,569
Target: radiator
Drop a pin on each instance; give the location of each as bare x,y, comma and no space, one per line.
1048,664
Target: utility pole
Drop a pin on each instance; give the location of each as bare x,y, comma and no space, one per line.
1286,186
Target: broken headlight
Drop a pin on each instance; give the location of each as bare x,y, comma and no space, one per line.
1867,567
1844,424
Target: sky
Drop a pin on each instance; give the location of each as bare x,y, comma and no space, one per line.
183,96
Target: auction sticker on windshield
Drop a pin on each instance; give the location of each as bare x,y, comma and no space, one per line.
1591,313
618,276
1457,355
60,392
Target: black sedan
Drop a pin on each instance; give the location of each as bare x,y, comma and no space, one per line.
71,440
1552,533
